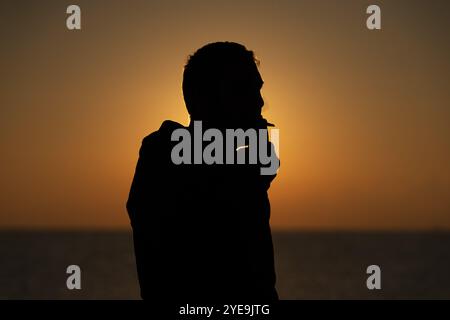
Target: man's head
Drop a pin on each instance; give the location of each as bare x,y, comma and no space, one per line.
221,84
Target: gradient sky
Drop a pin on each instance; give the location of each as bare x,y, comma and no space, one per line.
363,115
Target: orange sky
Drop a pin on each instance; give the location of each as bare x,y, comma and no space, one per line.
363,115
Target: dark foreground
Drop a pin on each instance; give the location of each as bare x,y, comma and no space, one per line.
310,265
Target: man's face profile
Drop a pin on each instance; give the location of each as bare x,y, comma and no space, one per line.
221,86
241,96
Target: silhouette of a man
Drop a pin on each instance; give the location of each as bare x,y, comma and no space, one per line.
201,232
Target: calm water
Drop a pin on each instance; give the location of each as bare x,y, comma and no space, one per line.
310,265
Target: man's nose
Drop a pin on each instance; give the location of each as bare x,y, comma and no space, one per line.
260,101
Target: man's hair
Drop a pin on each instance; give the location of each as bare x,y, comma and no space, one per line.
207,70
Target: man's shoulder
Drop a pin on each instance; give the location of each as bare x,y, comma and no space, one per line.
162,136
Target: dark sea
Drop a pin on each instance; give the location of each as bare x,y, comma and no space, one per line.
310,265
